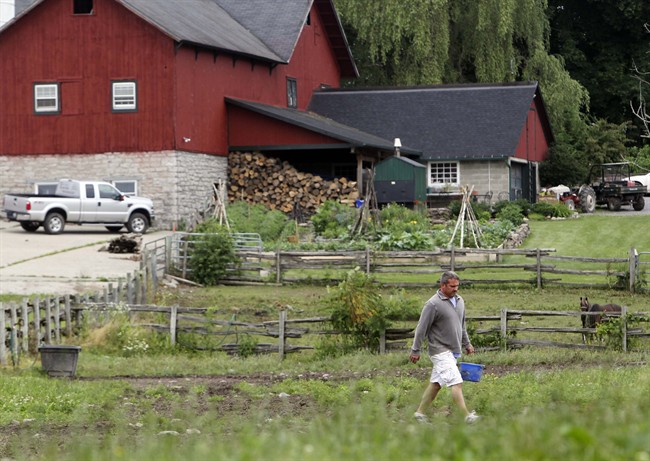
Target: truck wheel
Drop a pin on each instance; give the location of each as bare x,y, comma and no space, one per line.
587,199
138,223
54,223
114,228
638,203
30,226
613,204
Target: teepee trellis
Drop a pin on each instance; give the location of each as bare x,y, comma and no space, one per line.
220,203
467,221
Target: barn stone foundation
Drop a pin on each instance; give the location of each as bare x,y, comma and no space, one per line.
179,183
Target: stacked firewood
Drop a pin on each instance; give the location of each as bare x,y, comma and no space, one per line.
254,178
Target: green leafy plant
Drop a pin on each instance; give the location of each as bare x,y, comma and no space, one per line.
513,213
247,218
357,309
212,253
333,219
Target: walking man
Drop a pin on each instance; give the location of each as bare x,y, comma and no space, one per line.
442,324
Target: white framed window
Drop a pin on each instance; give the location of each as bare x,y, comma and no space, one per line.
124,96
126,186
46,98
292,93
444,173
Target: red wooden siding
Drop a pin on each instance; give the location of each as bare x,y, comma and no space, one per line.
204,79
180,92
269,132
84,54
533,145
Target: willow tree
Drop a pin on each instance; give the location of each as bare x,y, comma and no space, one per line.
443,41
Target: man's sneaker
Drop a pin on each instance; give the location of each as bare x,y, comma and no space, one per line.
471,418
421,417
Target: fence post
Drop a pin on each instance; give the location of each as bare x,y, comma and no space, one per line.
382,341
504,327
154,273
173,318
633,266
25,328
624,328
48,320
185,243
281,329
278,265
367,260
57,320
539,268
68,317
137,279
168,253
452,259
37,320
3,336
129,288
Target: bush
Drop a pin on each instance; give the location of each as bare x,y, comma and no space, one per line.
481,210
513,213
357,310
270,224
554,210
333,219
397,219
211,254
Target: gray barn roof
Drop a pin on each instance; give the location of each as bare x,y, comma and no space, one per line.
267,30
444,122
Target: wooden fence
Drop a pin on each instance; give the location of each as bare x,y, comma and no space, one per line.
62,317
476,266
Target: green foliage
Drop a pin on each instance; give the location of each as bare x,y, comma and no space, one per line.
247,218
513,213
247,345
397,218
333,219
211,254
481,209
553,210
406,241
356,308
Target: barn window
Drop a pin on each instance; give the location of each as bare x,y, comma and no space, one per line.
292,93
443,173
46,98
124,96
82,6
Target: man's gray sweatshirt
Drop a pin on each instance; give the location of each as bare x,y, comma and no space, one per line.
442,325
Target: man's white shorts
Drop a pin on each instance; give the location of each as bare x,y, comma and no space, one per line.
445,370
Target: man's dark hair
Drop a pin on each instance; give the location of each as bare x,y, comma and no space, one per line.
447,276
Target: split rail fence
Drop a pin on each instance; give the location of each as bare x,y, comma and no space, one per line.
170,256
51,320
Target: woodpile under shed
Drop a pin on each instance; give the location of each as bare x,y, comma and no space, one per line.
255,178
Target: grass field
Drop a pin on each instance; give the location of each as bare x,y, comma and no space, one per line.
535,403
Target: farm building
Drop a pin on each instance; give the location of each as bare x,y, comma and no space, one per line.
153,96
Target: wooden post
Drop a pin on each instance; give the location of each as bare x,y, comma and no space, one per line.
278,265
504,327
173,318
129,288
14,337
120,289
25,327
48,321
168,253
624,328
281,330
3,336
154,273
185,243
382,341
68,316
539,268
57,320
145,283
452,259
367,260
37,320
633,265
137,279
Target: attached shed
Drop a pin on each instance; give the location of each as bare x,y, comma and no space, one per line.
400,180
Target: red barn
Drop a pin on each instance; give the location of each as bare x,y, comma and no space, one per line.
153,95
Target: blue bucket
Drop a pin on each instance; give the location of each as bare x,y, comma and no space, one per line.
471,371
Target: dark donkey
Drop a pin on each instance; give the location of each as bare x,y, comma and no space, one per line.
592,321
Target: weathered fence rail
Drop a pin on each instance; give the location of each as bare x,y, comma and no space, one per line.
61,318
478,266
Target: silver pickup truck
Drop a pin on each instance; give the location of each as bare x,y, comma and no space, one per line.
80,202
